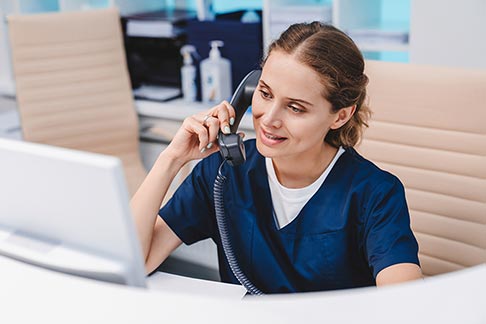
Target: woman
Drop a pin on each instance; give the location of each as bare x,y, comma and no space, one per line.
306,212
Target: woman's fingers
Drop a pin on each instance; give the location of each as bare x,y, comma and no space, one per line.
212,125
195,126
206,126
226,116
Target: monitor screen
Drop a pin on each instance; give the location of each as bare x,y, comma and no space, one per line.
68,211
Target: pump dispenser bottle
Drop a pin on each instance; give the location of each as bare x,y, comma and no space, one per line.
188,74
215,75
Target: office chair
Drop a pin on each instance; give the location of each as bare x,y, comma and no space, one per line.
72,83
428,129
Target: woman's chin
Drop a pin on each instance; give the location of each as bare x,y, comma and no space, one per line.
265,150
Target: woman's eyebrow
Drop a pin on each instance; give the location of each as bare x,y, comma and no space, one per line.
264,84
291,99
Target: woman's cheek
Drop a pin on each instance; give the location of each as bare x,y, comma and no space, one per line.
257,107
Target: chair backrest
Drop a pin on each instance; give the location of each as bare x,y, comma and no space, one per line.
428,128
72,84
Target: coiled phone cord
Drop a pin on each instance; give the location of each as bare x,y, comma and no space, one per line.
223,231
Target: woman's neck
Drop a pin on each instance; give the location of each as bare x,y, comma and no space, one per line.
299,172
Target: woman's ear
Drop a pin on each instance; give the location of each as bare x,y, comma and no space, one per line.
342,116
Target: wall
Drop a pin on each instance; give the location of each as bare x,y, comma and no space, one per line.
448,33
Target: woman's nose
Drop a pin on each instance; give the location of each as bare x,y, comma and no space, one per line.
272,116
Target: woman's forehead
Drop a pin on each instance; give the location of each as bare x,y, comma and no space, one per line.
284,72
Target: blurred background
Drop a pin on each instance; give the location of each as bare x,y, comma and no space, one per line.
436,32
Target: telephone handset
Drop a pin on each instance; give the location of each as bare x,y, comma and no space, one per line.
233,151
231,146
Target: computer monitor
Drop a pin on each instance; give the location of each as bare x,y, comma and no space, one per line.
68,211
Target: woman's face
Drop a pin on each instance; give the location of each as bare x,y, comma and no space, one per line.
290,115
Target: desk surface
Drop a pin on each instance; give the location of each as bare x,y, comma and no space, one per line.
31,294
179,109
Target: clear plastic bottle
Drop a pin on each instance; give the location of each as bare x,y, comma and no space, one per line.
216,82
188,74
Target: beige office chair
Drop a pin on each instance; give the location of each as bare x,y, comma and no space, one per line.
429,129
72,84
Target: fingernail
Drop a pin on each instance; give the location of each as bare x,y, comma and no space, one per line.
203,150
209,145
232,121
226,129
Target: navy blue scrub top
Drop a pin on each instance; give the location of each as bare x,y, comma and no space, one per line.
354,226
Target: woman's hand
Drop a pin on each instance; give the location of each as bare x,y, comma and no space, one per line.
197,137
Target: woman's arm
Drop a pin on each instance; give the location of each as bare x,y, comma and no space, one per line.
145,205
196,139
397,273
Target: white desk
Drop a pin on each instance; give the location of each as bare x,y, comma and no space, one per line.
160,121
179,109
29,294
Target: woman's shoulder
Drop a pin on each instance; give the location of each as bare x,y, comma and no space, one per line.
367,171
372,184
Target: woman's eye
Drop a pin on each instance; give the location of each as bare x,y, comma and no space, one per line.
295,109
265,94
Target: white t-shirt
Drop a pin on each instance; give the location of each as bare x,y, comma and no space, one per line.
287,202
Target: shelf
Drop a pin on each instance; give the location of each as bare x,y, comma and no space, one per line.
380,40
382,47
374,25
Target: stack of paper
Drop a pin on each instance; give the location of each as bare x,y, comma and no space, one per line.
157,93
158,24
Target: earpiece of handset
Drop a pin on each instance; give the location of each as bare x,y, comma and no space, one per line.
232,148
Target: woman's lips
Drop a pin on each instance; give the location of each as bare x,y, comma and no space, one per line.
270,139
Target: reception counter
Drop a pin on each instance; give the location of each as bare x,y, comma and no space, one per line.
30,294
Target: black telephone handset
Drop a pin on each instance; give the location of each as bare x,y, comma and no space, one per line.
231,146
232,149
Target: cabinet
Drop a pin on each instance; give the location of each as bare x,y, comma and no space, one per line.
379,27
433,32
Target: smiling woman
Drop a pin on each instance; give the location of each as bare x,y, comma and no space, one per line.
292,117
339,70
305,211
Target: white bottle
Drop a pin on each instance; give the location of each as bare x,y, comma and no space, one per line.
216,83
188,74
